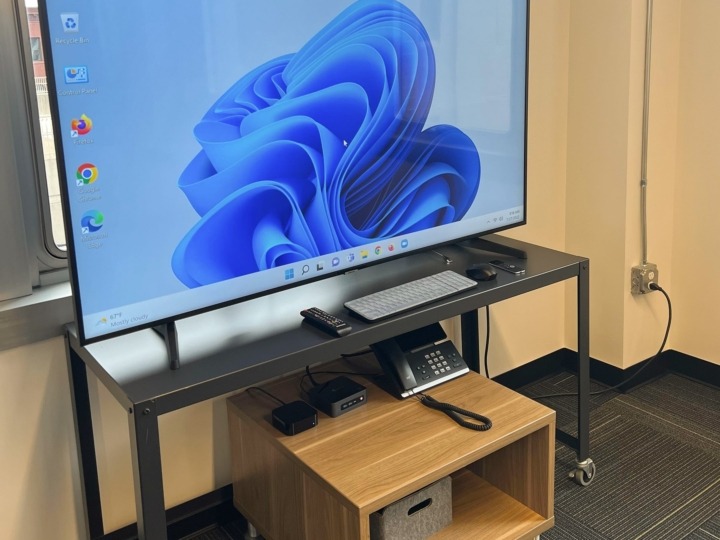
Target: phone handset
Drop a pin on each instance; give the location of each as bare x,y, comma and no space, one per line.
395,363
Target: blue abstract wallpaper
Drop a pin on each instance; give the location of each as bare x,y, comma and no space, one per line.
324,149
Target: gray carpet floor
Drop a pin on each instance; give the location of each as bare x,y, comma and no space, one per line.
657,452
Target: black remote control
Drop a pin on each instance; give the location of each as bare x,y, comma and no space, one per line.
326,322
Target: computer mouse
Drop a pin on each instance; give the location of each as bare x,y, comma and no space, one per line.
481,272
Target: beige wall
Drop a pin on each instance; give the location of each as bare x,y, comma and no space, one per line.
40,498
607,44
195,453
583,167
646,316
38,459
531,326
696,256
590,75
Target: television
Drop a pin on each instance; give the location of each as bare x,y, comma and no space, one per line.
212,151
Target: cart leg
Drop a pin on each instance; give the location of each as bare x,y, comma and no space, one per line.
147,471
585,470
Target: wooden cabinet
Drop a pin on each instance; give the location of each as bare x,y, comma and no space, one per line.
325,482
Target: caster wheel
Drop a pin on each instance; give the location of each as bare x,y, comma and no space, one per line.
584,475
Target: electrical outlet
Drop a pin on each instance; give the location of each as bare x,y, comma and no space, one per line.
642,276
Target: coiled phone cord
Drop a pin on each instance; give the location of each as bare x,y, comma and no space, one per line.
455,413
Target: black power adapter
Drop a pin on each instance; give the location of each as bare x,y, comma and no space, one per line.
338,396
293,418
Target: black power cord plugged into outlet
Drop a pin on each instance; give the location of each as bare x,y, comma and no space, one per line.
654,287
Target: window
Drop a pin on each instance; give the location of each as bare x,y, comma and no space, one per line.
54,233
35,49
32,246
34,292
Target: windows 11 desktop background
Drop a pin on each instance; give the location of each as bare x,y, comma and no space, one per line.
216,150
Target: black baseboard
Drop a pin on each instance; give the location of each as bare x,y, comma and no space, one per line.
625,379
693,368
534,371
192,517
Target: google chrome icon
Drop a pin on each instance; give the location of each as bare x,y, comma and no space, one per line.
86,173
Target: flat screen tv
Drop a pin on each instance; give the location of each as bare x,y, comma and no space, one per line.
212,151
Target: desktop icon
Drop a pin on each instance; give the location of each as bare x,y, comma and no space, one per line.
378,250
364,253
80,127
92,221
76,74
86,173
70,22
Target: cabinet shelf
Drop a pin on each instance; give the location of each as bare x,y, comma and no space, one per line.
508,518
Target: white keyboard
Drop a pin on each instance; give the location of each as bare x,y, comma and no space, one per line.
409,295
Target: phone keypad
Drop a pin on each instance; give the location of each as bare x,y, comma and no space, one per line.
434,364
437,363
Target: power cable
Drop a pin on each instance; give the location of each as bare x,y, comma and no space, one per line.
655,287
